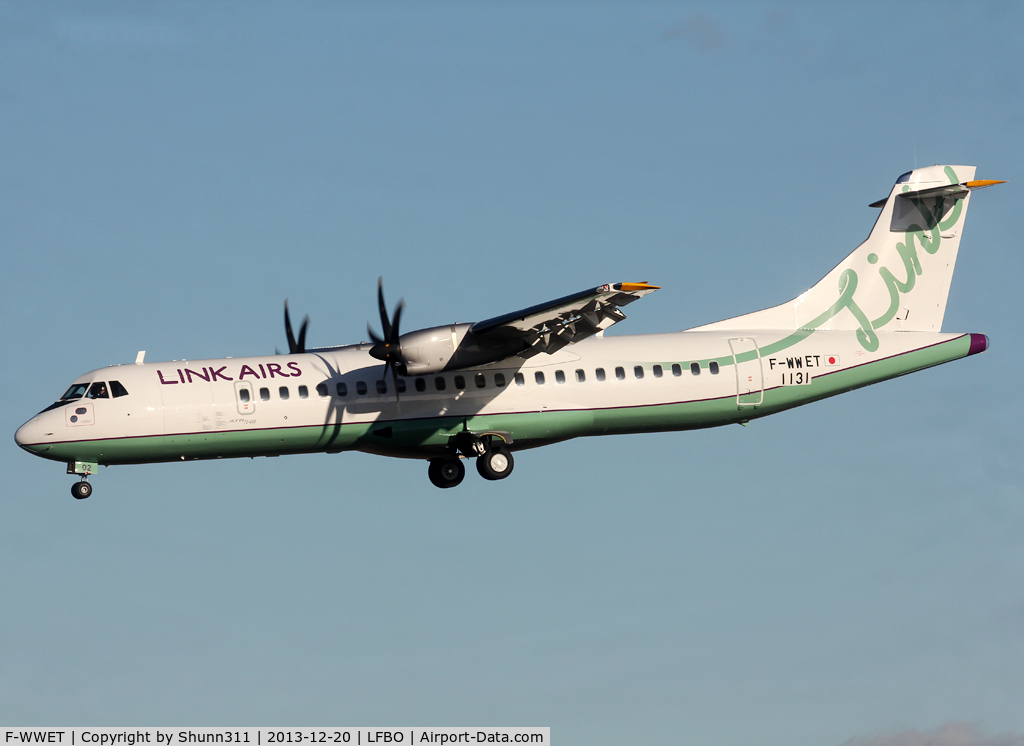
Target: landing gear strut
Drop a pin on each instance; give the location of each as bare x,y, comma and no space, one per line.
81,490
446,472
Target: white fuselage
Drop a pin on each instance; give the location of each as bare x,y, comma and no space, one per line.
341,399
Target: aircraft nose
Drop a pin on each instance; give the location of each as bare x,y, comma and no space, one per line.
28,434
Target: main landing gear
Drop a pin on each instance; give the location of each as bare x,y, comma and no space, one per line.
446,472
493,462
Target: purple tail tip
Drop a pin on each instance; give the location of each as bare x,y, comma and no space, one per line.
979,343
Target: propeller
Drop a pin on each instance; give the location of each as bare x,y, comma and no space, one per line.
388,348
295,347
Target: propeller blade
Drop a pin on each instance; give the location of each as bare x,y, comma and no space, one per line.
373,335
295,347
302,335
288,329
394,379
384,323
394,324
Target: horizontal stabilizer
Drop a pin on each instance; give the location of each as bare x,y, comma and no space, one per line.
947,191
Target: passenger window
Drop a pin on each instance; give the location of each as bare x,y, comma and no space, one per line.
439,383
656,370
243,395
559,376
695,368
421,384
638,371
265,394
117,389
480,380
519,379
713,367
382,386
499,380
677,369
620,374
321,390
599,374
342,389
539,377
303,392
98,391
361,388
283,393
460,382
400,386
581,376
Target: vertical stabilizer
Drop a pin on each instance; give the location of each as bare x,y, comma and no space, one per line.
899,278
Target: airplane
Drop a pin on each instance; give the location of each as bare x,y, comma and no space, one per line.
539,375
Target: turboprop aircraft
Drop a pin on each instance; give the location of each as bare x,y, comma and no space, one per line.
540,375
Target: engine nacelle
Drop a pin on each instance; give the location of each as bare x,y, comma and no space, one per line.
450,347
430,350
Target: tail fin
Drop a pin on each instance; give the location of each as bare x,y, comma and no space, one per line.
899,278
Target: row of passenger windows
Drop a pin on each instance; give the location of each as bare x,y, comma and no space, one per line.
283,393
341,388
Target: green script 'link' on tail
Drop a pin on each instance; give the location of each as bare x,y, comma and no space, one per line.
899,278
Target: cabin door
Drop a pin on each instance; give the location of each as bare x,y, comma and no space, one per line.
746,358
244,397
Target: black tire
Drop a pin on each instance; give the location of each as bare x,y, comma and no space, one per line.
446,472
81,490
495,464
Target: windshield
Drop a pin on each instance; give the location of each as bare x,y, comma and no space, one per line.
98,391
77,391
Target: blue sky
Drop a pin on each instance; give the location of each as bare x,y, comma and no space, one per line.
169,173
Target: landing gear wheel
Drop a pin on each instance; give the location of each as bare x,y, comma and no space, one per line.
81,490
495,464
446,472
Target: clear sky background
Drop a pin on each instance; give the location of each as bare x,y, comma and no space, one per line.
852,571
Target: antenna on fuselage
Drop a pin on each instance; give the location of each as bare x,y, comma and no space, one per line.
140,358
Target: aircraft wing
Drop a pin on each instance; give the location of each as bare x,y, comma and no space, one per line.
548,327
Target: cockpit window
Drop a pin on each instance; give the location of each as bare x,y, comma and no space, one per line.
904,178
77,391
98,391
117,389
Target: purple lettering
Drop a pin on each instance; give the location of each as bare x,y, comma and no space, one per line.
189,372
162,377
275,368
180,376
247,371
216,373
262,371
295,369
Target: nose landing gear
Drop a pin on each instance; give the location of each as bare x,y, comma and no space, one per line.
82,490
